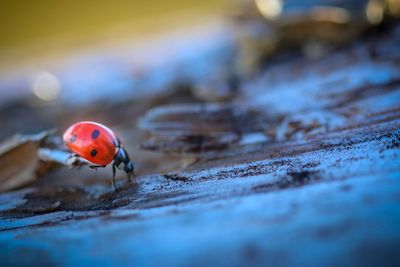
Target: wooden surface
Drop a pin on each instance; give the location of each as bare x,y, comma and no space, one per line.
312,180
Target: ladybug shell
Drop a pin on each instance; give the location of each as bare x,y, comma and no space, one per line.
92,141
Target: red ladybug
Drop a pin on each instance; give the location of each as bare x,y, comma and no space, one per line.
99,145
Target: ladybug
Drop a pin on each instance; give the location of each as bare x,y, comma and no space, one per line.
99,145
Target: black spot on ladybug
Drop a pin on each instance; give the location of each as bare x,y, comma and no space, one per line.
95,134
93,153
73,138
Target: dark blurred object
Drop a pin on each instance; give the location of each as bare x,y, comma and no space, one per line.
197,128
174,129
313,26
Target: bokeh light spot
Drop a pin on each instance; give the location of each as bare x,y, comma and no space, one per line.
374,12
270,9
46,86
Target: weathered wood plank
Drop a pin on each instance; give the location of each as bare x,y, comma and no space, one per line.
320,188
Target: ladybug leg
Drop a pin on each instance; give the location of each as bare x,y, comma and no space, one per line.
113,178
73,156
95,167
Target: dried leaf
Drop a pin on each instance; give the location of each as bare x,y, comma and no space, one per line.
23,159
18,158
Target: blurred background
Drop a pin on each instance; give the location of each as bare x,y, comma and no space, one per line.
66,53
37,29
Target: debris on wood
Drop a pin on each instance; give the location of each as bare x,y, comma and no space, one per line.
176,177
23,159
198,128
19,160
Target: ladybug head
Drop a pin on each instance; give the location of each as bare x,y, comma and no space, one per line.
122,161
129,168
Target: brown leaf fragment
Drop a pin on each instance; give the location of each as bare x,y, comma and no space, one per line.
18,160
24,158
